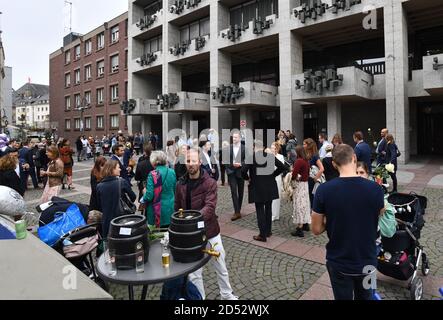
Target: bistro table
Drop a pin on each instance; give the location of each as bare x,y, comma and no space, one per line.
154,272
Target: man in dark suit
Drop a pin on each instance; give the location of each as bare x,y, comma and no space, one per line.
381,147
27,166
118,152
233,170
362,150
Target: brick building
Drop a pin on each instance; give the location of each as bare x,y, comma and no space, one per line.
89,73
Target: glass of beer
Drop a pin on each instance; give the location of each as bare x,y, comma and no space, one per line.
165,258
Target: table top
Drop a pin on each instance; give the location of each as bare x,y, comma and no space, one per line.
154,271
31,270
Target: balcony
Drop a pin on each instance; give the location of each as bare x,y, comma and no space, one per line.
147,26
254,30
147,63
185,50
433,74
185,11
145,107
245,94
184,101
349,83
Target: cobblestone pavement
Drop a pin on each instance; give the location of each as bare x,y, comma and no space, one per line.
284,268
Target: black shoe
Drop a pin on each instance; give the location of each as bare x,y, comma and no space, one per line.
259,238
269,234
298,233
306,227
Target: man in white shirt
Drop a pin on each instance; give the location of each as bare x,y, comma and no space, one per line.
323,139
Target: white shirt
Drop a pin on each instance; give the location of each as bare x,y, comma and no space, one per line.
17,169
236,148
208,159
322,152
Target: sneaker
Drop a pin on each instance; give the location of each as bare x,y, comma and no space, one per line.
229,297
306,227
298,233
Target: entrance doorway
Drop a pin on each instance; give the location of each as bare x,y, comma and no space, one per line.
430,129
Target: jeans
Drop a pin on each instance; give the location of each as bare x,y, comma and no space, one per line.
24,175
346,287
221,270
237,186
264,218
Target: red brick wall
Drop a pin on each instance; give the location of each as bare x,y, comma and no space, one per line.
58,91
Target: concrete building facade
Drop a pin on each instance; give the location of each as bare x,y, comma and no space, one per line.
88,81
6,102
307,66
32,108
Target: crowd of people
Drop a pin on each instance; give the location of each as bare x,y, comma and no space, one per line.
323,181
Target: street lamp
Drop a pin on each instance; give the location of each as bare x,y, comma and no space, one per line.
84,105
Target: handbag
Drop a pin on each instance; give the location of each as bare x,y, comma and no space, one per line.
62,224
81,247
398,152
126,207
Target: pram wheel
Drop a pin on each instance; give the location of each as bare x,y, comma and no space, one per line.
416,290
425,266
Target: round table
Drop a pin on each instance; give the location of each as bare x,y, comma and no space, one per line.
154,272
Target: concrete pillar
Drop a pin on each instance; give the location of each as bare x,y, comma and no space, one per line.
186,122
334,118
220,66
291,62
146,125
396,52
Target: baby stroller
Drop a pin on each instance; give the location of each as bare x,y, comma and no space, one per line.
78,245
401,255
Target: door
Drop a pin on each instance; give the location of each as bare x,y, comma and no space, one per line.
430,132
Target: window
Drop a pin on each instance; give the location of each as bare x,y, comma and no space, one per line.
78,100
88,123
153,8
114,63
88,97
114,34
88,73
77,124
100,122
100,94
67,103
77,52
126,27
100,41
242,14
67,56
194,30
67,124
67,80
77,76
114,121
153,44
88,47
100,68
114,93
126,59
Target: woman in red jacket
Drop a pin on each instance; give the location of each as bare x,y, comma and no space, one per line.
302,208
66,153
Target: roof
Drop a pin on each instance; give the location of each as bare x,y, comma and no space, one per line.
31,93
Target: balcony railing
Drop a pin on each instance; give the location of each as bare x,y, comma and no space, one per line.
146,22
373,68
147,59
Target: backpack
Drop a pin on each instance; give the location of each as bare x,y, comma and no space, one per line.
288,189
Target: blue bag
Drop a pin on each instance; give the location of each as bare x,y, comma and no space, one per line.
180,289
62,224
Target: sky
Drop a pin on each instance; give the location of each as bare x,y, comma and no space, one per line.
32,29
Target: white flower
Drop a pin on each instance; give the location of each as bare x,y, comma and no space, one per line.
390,168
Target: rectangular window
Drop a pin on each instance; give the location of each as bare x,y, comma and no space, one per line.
100,41
194,30
67,124
242,14
77,52
126,59
100,122
114,63
100,95
88,46
78,100
67,56
114,93
88,123
114,121
67,103
67,80
77,76
88,97
114,34
88,73
100,68
77,124
153,8
153,44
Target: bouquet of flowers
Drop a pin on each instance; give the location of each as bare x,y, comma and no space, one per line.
382,172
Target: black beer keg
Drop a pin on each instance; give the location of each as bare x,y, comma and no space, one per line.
128,234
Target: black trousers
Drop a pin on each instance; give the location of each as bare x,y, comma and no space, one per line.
347,287
237,186
394,181
264,218
223,173
24,175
